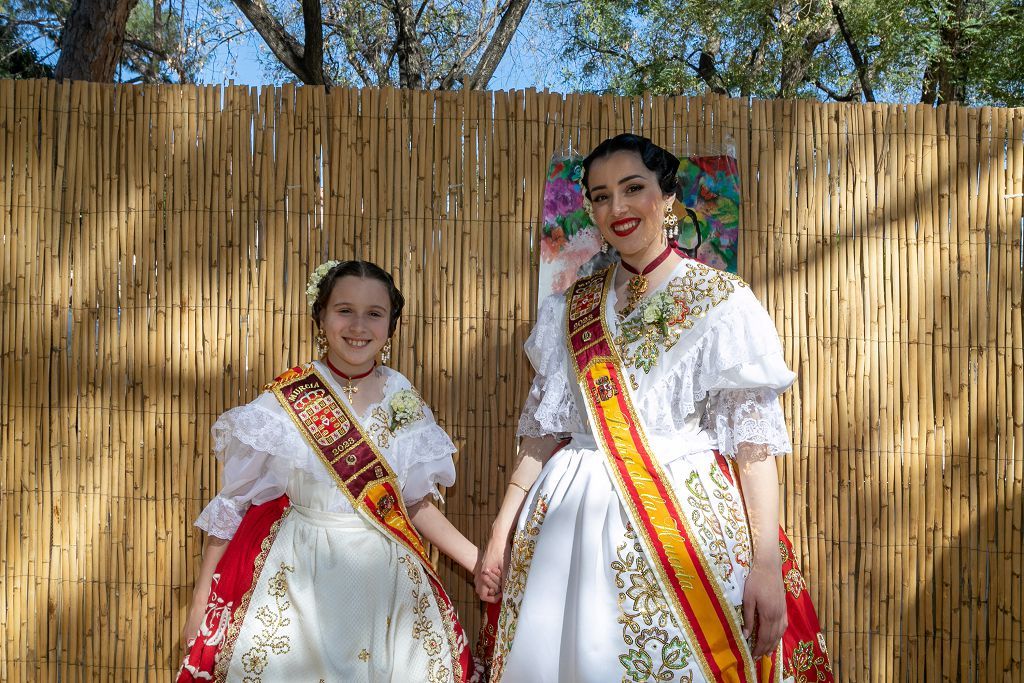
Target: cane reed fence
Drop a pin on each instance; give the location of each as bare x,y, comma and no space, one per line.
154,243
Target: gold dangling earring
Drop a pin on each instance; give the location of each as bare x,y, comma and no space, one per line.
671,223
604,245
385,352
321,342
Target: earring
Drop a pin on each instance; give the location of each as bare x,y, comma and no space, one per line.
321,342
385,352
671,223
604,245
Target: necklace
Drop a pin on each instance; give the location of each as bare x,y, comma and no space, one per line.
637,285
349,388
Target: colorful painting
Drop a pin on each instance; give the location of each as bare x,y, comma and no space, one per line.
709,218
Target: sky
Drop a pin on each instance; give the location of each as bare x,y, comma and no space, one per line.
527,63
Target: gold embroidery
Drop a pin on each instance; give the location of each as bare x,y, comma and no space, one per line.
706,525
269,641
423,628
224,654
654,649
523,546
702,288
364,655
805,659
731,509
379,427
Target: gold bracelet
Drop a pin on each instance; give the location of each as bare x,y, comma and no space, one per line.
520,486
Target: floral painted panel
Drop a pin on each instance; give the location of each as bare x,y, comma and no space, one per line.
709,218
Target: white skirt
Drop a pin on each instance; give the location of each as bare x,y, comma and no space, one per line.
581,601
338,601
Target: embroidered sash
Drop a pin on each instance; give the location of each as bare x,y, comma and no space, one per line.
683,572
367,481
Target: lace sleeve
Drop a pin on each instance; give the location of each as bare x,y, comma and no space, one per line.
258,450
751,416
424,453
550,407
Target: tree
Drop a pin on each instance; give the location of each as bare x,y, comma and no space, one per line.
162,43
19,60
902,50
90,47
426,44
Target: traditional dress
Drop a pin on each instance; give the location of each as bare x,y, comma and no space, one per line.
694,370
325,578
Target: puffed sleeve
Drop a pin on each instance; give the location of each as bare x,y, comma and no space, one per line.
550,407
424,454
257,447
743,371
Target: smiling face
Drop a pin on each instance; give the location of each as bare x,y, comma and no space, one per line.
629,206
355,321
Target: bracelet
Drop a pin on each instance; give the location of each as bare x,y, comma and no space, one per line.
520,487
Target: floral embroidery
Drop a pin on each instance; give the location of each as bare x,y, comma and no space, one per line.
731,510
270,640
423,628
707,526
795,583
523,546
653,652
656,326
805,660
378,427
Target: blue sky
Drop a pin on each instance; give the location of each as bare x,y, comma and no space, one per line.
527,63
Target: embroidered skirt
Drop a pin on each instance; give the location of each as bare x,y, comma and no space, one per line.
581,600
337,601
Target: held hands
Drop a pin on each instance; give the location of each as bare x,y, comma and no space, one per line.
491,567
764,608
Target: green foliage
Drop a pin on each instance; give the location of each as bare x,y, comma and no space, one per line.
160,46
796,48
17,59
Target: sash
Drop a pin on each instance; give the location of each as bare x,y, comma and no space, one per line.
688,584
367,481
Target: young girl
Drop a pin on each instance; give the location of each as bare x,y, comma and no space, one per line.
314,567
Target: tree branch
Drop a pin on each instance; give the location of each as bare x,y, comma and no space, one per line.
313,53
858,60
285,47
500,40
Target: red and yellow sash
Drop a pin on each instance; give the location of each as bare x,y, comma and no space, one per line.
366,479
689,586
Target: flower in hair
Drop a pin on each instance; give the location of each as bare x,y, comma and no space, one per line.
313,284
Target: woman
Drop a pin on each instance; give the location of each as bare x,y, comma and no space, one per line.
636,556
314,567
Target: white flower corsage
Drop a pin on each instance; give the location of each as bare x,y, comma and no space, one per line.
662,310
313,283
406,407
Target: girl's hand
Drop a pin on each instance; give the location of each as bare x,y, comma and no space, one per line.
491,567
764,608
196,614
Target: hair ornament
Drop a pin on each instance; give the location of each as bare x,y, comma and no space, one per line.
315,278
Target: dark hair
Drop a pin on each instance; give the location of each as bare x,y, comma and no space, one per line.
661,162
359,269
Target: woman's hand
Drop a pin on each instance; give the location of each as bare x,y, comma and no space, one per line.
764,608
491,568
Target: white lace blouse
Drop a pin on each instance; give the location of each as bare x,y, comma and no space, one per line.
712,382
264,456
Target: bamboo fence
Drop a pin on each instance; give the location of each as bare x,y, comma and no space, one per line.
154,243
